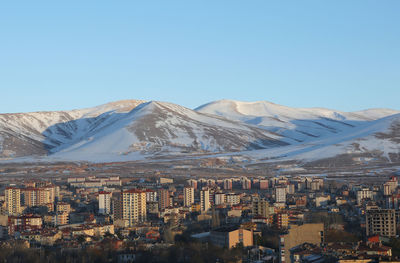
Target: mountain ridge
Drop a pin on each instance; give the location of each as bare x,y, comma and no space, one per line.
137,129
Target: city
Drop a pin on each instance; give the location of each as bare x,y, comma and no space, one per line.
200,131
284,218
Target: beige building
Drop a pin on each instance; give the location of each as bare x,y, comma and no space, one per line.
61,218
229,237
280,194
39,196
132,205
232,199
105,202
205,200
63,207
219,198
188,196
13,200
262,208
297,235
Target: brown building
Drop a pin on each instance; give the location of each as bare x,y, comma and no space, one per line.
229,237
24,223
163,199
297,235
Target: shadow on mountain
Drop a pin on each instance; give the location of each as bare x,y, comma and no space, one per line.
158,128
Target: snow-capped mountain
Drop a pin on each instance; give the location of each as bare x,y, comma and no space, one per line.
133,129
39,133
320,133
379,140
122,129
299,124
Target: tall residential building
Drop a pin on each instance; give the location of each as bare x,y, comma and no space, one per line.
193,183
105,202
282,220
134,206
280,194
205,200
264,184
262,208
163,198
363,194
13,200
246,184
228,184
381,222
290,189
33,196
390,186
62,207
232,199
151,195
219,198
188,196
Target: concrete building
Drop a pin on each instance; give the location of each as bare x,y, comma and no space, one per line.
192,183
322,200
13,200
163,199
62,207
61,218
264,184
281,220
280,194
24,223
163,180
246,184
390,186
205,200
133,205
232,199
151,196
290,189
105,202
228,184
297,235
36,196
188,196
381,222
219,198
364,194
262,208
229,237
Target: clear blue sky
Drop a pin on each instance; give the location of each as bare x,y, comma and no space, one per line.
341,54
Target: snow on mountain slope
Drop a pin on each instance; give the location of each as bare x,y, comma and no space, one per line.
37,133
375,114
132,130
300,124
159,127
380,139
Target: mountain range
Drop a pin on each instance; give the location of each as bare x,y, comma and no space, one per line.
138,130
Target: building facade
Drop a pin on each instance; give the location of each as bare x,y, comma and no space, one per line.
205,200
105,202
188,196
381,222
13,200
